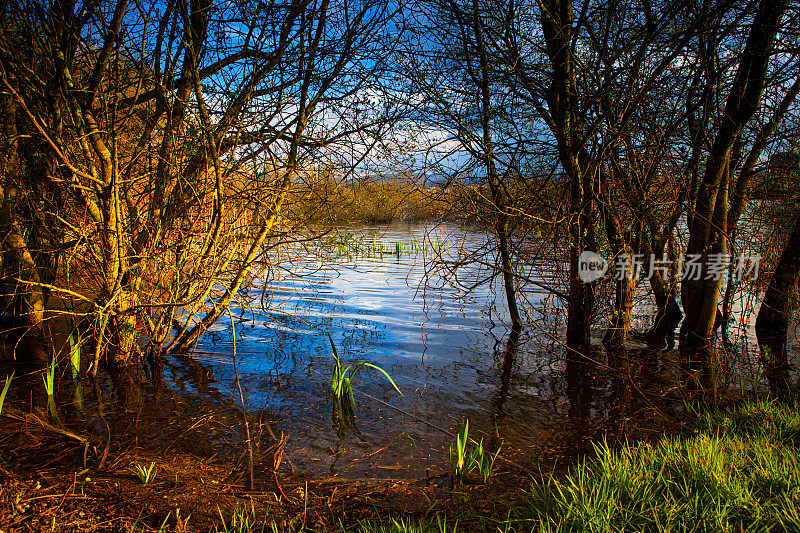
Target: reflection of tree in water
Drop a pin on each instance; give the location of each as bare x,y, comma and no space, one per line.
506,358
578,375
621,396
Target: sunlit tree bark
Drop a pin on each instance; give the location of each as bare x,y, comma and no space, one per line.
708,230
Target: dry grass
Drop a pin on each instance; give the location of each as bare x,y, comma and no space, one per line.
328,201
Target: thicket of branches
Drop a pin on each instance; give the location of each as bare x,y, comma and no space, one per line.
148,149
631,129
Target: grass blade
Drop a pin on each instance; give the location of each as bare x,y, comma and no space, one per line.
376,367
5,390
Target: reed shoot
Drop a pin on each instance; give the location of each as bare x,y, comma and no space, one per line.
342,384
49,378
470,455
5,390
458,460
74,354
484,461
144,473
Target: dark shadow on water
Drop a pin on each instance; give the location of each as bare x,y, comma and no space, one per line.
774,358
622,393
579,371
662,334
509,355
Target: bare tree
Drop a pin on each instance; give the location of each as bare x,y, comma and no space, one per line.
708,228
174,133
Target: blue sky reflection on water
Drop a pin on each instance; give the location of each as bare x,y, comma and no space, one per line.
441,345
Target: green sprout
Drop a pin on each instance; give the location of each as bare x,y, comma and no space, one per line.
342,383
5,390
144,473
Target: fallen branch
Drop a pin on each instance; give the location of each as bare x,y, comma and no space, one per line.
31,417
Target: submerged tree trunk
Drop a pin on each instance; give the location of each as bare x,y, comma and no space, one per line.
626,276
582,238
557,19
708,231
498,194
26,298
664,288
772,322
620,322
508,278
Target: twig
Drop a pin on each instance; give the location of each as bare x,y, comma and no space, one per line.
370,455
418,419
244,410
69,490
277,457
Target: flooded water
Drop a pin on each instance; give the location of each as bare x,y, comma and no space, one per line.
442,344
386,296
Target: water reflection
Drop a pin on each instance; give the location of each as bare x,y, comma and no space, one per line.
578,374
448,350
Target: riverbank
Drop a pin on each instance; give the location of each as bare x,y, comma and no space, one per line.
737,469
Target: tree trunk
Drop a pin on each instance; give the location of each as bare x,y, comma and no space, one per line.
557,18
508,277
620,322
772,322
18,266
708,232
498,195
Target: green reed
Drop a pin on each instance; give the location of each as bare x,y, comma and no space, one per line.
342,383
458,459
75,368
5,390
469,455
144,473
348,244
49,380
484,461
74,353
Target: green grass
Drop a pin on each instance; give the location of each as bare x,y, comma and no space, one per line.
738,472
408,525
